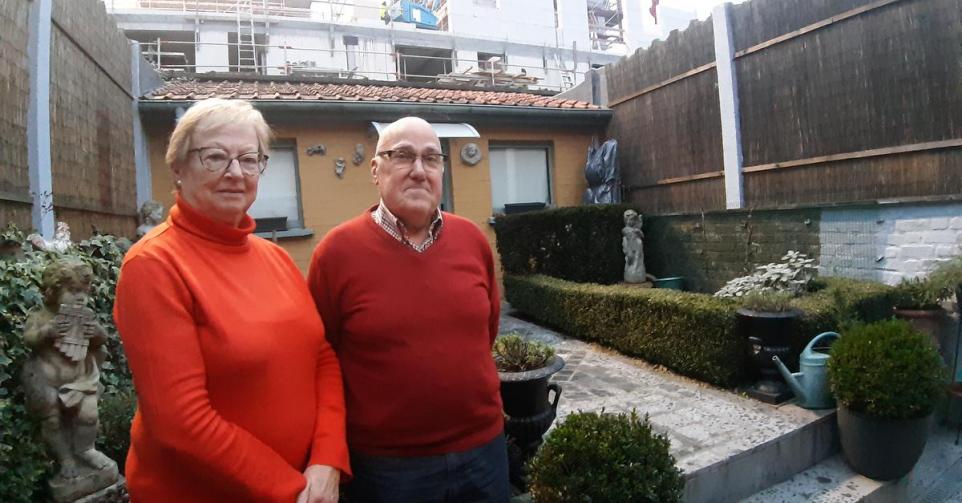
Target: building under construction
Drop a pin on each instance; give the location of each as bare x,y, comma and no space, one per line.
531,44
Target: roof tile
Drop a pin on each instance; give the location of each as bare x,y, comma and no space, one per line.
196,89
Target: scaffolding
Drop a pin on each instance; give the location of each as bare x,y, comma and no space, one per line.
605,23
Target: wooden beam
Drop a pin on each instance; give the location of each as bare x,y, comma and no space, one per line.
862,154
816,26
680,179
676,78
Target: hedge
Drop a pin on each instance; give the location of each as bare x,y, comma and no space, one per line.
581,243
690,333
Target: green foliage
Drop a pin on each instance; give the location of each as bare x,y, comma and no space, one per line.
581,243
916,294
514,353
116,411
23,464
690,333
768,302
605,457
886,369
946,277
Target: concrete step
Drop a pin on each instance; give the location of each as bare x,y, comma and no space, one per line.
729,446
937,478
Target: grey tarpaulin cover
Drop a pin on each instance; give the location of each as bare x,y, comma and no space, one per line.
601,172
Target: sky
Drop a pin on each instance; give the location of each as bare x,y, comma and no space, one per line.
703,7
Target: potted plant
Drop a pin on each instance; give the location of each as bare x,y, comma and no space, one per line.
887,379
524,367
918,302
605,457
767,321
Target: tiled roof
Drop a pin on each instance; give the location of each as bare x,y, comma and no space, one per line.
198,89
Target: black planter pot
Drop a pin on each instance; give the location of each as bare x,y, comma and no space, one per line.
768,335
525,394
881,449
528,413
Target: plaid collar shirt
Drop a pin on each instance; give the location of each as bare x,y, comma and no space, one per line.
393,226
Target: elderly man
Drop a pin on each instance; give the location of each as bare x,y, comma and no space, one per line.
410,304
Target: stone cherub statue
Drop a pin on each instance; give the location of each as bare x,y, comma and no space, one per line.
151,214
632,243
61,379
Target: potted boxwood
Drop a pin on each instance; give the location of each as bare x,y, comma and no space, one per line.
767,321
605,457
886,378
918,302
524,367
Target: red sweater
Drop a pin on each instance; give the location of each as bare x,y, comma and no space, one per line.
238,391
413,332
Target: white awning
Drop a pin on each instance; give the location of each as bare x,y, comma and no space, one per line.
443,129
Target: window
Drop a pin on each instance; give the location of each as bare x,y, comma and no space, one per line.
278,203
520,177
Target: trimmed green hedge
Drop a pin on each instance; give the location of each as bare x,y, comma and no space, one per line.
690,333
581,243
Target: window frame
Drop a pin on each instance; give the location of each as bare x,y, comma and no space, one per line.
548,145
291,230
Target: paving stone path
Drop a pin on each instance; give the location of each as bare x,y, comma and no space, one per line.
705,425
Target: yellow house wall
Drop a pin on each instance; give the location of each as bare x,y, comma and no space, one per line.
327,201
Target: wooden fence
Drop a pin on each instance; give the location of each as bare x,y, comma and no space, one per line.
838,101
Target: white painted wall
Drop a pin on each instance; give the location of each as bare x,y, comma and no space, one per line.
523,21
573,24
889,244
211,58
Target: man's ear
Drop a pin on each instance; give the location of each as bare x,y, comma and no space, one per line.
374,179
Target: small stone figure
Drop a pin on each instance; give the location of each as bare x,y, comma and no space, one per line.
61,379
633,245
339,166
151,214
358,157
60,243
318,149
470,154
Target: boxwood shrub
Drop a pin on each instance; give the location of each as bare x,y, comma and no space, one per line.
581,243
690,333
605,457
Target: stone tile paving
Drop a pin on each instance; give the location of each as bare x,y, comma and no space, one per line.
705,425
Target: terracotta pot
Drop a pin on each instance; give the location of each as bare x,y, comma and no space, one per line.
931,322
881,448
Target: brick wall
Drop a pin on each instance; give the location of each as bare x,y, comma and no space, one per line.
889,243
14,84
884,243
709,249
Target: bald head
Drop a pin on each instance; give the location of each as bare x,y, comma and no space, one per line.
409,187
403,128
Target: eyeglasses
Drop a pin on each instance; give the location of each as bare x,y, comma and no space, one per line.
430,160
216,160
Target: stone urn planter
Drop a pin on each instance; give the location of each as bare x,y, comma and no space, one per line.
887,378
931,322
530,402
769,327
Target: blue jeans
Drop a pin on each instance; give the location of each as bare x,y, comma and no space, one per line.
478,475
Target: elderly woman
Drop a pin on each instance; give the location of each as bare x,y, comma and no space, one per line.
240,396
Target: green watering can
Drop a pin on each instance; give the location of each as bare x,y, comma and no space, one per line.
810,383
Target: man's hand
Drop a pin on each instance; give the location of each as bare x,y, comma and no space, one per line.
322,484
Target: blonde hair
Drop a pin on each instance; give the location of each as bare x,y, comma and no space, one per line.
213,113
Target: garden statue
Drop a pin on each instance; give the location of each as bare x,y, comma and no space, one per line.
358,157
632,244
61,380
339,166
470,154
151,214
60,243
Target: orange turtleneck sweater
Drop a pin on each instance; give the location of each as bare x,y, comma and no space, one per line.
238,390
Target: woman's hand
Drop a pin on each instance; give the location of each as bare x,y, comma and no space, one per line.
322,484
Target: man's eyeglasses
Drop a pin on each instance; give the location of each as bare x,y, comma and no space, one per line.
430,160
216,160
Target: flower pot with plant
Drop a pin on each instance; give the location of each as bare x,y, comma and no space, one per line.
767,321
524,367
918,302
605,457
887,379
